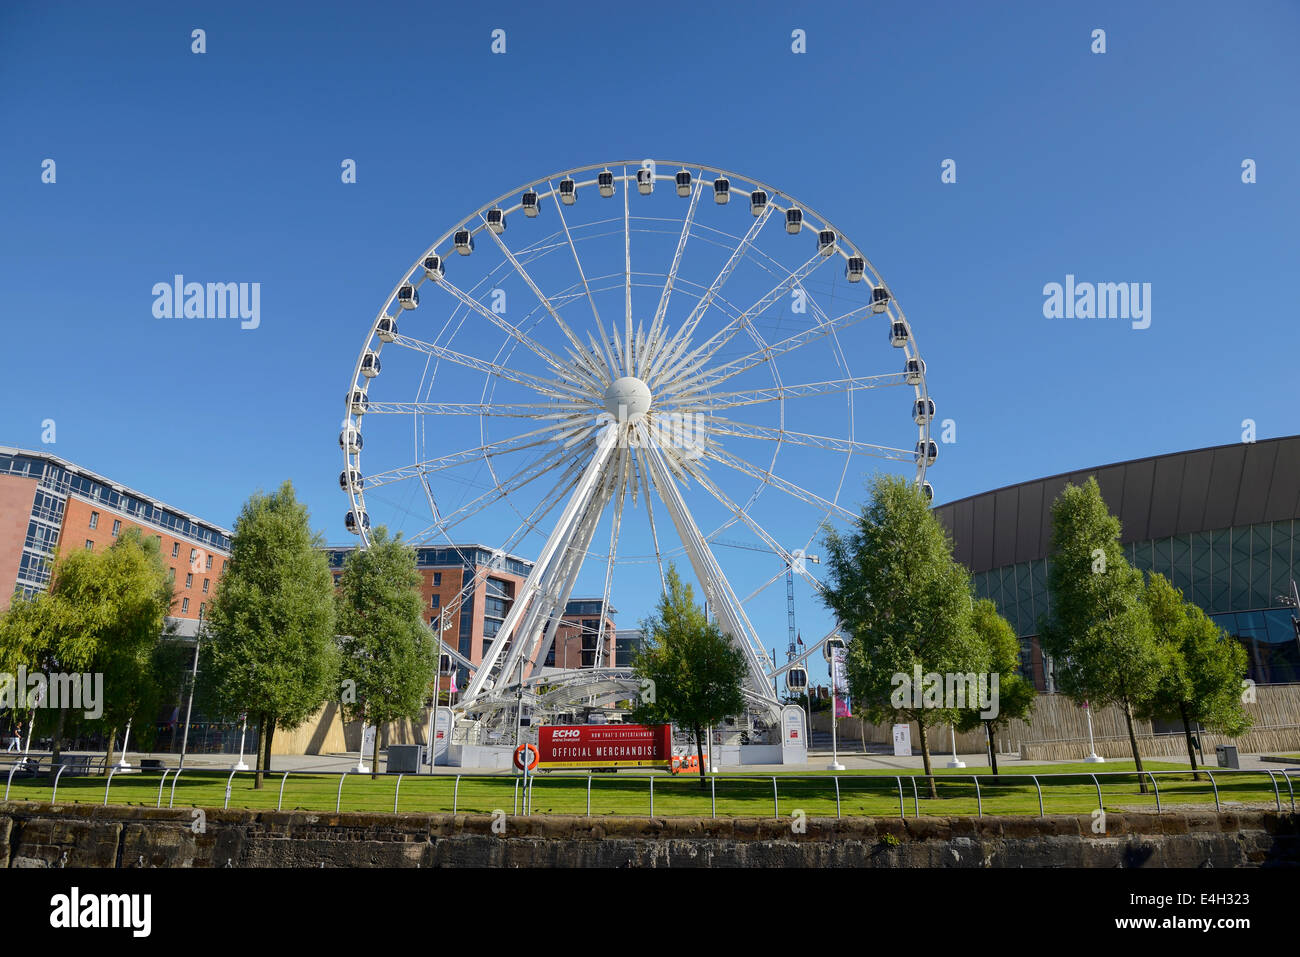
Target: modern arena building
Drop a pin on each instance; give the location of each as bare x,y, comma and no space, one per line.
1222,524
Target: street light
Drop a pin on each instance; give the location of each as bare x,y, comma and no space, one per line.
194,677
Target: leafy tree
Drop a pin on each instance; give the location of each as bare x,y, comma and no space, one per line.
895,588
1015,697
1098,631
387,650
698,673
1203,667
269,647
103,614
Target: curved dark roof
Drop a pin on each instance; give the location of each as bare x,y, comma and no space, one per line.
1165,495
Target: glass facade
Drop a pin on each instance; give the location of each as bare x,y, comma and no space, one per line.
1237,575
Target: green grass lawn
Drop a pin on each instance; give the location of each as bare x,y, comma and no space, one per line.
1066,789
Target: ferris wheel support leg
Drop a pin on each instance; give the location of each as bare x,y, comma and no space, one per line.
709,572
545,569
543,619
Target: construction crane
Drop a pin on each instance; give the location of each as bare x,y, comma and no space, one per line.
797,555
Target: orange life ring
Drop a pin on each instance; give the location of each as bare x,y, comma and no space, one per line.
526,749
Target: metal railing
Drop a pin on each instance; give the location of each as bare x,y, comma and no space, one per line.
742,790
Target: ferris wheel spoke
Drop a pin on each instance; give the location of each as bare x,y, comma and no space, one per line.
729,370
555,363
529,410
774,480
515,443
627,287
509,486
744,430
732,400
661,312
600,326
648,493
683,337
719,340
555,388
742,512
593,373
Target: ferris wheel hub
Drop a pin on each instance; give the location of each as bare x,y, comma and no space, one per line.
627,399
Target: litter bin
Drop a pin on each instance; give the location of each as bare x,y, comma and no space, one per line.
404,758
1227,755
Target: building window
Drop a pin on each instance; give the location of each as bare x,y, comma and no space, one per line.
94,520
209,565
201,607
224,562
194,553
189,580
89,544
437,576
117,526
176,549
185,606
435,601
205,586
171,575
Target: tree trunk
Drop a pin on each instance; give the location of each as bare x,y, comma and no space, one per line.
56,745
1187,733
112,746
925,759
266,731
1133,743
699,751
993,750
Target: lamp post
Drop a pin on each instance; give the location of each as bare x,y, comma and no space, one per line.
241,766
123,764
194,676
361,757
1093,757
834,659
955,762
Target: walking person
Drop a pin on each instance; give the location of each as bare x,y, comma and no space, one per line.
15,741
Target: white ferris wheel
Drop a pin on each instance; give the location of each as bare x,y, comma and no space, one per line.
621,366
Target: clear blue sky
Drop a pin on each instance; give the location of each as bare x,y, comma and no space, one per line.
1122,166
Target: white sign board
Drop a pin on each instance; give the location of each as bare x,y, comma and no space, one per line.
902,740
368,743
439,736
794,735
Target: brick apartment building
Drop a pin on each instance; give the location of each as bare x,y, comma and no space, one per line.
471,628
48,504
